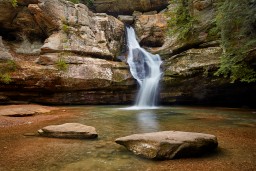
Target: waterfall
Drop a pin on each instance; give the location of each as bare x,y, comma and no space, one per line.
145,68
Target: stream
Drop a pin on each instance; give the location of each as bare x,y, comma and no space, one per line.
234,128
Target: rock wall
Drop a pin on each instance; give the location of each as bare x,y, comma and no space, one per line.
117,7
66,54
189,64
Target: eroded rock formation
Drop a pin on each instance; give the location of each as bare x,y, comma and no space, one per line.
117,7
40,36
66,54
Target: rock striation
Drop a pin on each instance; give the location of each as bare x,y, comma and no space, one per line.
67,54
116,7
169,144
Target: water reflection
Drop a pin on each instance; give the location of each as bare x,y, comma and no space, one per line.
147,121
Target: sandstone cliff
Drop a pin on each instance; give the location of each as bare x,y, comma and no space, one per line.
64,53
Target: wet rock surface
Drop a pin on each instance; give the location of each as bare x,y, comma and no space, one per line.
69,130
24,110
169,144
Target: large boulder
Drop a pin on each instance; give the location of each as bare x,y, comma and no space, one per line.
169,144
128,6
79,30
69,130
151,29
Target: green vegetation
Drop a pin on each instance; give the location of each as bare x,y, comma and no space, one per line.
181,20
74,1
235,25
6,68
89,3
65,28
237,22
61,64
14,3
6,78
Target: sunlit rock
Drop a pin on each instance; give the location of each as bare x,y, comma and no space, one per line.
169,144
69,130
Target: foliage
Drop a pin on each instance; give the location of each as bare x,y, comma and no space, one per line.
237,22
180,19
89,3
5,69
5,78
61,64
65,28
14,3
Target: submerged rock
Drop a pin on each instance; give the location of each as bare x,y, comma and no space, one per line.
169,144
69,130
24,110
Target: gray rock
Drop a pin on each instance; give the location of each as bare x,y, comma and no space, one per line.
69,130
4,54
128,6
169,144
127,19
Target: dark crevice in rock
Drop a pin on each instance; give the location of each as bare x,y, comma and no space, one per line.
183,49
9,34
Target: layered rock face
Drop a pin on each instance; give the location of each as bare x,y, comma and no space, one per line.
64,53
118,7
189,64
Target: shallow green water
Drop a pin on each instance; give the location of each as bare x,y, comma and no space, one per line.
234,128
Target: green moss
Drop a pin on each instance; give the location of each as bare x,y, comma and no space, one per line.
5,78
65,28
61,64
6,68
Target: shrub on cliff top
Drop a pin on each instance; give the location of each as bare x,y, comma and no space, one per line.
237,21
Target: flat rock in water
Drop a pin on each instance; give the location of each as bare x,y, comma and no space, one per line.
169,144
69,130
24,110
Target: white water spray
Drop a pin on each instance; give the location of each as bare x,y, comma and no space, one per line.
145,68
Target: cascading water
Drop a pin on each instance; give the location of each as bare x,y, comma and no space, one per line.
145,68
